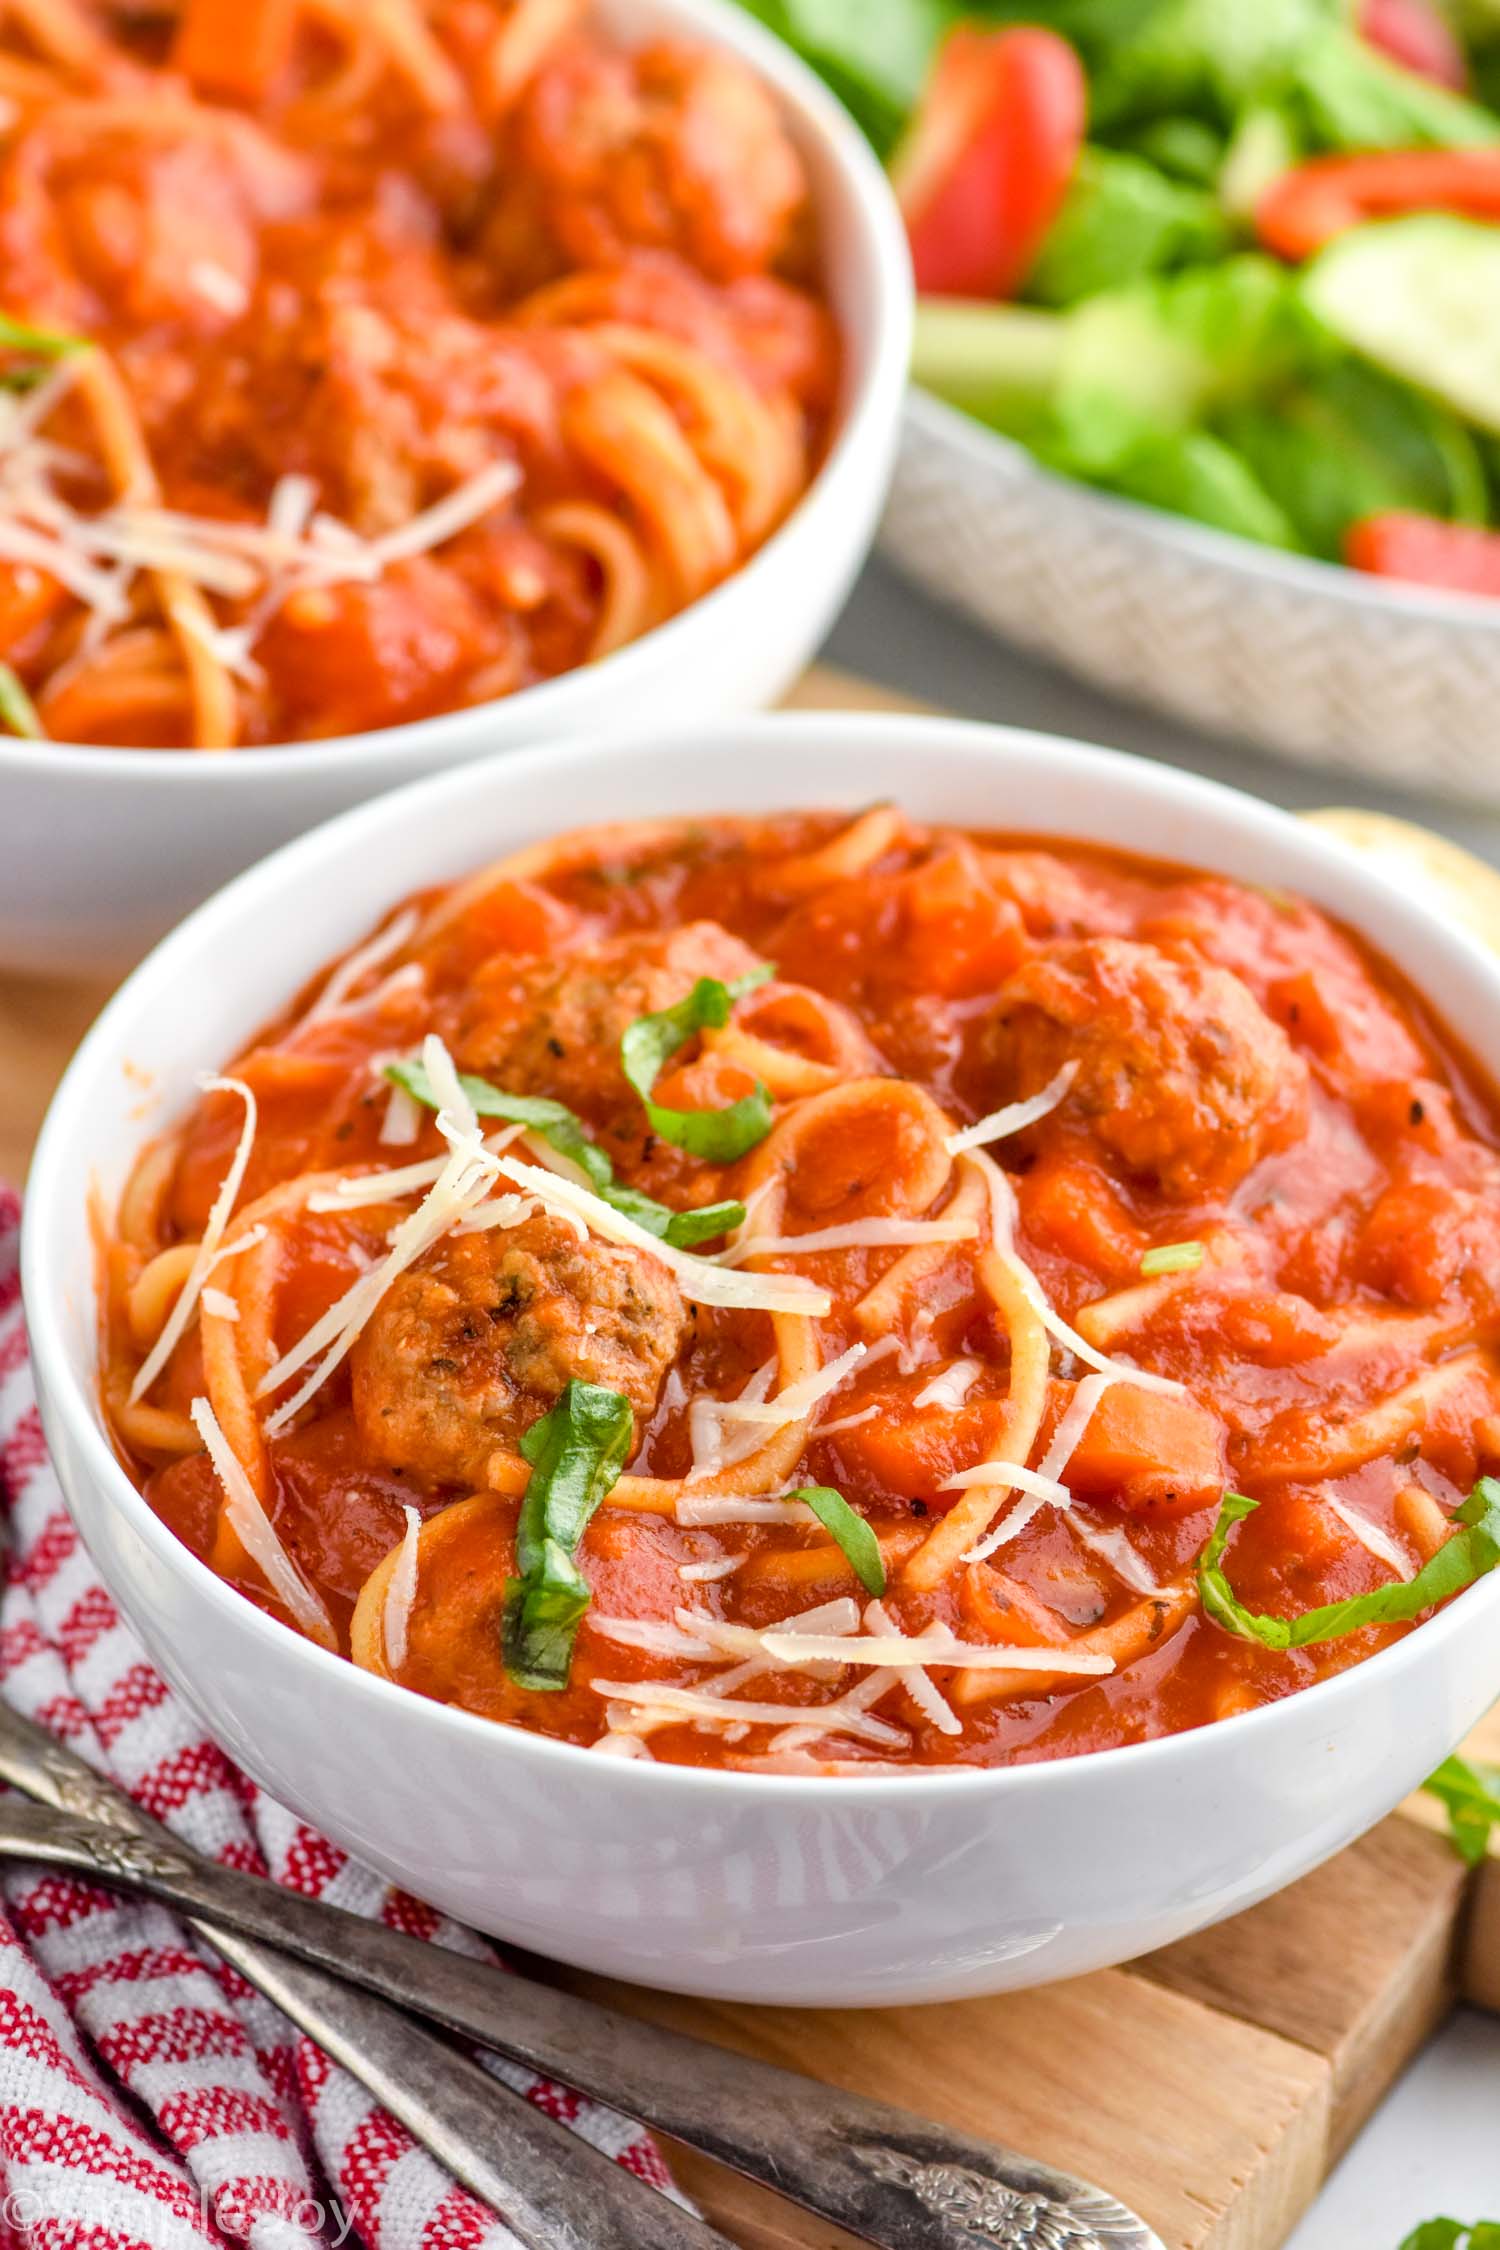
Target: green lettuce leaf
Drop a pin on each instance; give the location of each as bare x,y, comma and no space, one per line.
1205,57
564,1131
1122,220
576,1453
1470,1553
1347,441
720,1136
1352,98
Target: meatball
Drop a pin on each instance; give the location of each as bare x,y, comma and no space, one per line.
1181,1074
467,1349
672,148
554,1026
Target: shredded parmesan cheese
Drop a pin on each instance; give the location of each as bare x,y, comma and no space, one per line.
950,1386
1068,1435
175,1324
652,1635
1003,1221
402,1122
1380,1543
1015,1116
797,1401
900,1652
857,1234
704,1513
699,1280
252,1527
395,1618
710,1572
934,1707
346,978
721,1712
465,1179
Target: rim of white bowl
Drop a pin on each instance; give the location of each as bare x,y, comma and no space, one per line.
1180,535
99,1050
870,407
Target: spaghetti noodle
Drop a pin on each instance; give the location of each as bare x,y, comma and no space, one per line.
361,362
836,1388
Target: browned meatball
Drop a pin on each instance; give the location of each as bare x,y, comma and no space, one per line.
467,1349
1181,1073
554,1026
675,147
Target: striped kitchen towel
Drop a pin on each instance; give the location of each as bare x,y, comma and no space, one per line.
149,2099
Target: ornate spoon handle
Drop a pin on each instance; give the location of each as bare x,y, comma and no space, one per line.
554,2191
887,2176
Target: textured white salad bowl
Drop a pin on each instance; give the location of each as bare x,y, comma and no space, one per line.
1330,667
102,850
745,1886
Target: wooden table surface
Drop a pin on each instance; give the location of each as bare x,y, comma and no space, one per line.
1210,2085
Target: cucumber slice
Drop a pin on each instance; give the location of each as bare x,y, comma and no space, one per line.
996,362
1420,297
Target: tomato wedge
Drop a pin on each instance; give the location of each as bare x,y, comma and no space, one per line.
1307,207
1426,552
1416,35
987,160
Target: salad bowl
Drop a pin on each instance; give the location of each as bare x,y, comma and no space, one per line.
1398,684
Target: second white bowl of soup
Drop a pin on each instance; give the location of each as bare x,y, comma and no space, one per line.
1071,1191
577,398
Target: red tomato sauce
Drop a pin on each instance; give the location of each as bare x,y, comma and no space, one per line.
1226,1077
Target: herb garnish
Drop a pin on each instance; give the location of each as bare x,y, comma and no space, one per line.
1172,1257
1453,2234
18,714
576,1452
45,344
850,1531
1469,1791
720,1136
1467,1555
562,1130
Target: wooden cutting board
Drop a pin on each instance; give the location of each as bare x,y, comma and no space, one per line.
1211,2085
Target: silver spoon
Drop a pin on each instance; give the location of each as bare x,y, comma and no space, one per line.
886,2176
554,2191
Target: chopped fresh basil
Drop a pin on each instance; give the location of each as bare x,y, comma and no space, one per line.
46,345
718,1135
562,1130
18,714
850,1531
576,1452
1172,1257
1468,1554
1469,1791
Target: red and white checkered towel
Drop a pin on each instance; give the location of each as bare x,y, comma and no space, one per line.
149,2099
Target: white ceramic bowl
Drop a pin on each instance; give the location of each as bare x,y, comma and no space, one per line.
746,1886
1330,667
102,850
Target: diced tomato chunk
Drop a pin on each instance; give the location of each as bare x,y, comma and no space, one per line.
1151,1451
1069,1207
910,1451
959,936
